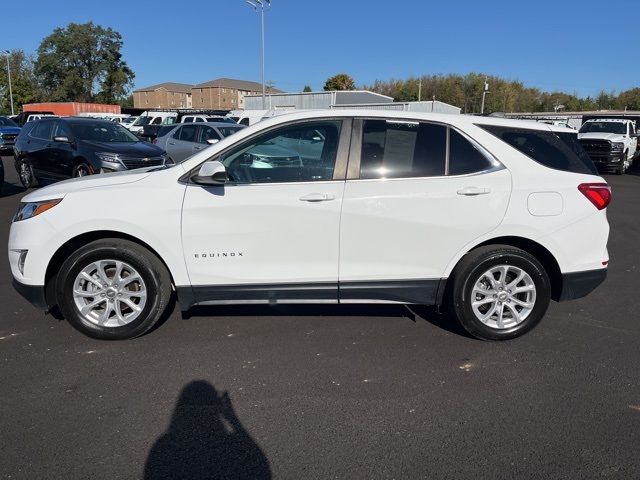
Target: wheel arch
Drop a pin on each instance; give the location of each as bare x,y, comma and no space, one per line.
540,252
71,245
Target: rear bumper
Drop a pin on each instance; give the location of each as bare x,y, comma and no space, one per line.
580,284
34,294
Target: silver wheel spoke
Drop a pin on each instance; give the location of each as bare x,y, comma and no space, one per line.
130,279
514,312
86,293
500,315
118,275
89,278
488,315
131,305
90,306
521,303
484,301
517,280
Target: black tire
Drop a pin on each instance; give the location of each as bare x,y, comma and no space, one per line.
25,172
151,269
470,269
81,170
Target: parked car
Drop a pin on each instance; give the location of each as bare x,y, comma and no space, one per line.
489,217
183,140
24,117
9,130
128,121
206,118
610,142
49,150
158,117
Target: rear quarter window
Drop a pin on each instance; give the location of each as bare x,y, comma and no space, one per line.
557,150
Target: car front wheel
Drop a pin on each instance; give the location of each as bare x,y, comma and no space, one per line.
113,289
499,292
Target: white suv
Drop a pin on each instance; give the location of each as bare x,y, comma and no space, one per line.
489,217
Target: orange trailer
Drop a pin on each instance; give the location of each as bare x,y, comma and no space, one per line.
66,109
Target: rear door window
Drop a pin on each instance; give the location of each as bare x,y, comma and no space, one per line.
398,149
43,130
557,150
464,156
188,133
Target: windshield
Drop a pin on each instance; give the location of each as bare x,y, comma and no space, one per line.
7,122
102,132
226,131
604,127
142,121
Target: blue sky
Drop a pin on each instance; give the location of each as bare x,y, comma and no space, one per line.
543,43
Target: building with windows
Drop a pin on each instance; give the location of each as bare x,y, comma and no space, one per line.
225,93
163,95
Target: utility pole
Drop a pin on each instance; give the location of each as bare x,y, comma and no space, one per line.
7,52
254,4
420,89
485,90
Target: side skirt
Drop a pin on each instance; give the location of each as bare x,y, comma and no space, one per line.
425,292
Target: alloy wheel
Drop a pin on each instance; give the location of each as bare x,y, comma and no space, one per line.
503,297
109,293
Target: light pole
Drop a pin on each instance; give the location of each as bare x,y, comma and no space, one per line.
262,4
7,52
485,90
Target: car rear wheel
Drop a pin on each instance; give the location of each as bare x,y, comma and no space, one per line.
25,171
113,289
499,292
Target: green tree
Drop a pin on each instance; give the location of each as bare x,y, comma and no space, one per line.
342,81
83,62
24,85
307,88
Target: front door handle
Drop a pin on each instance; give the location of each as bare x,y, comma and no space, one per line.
171,143
197,148
473,191
317,197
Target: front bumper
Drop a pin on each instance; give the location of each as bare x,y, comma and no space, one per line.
580,284
34,294
604,159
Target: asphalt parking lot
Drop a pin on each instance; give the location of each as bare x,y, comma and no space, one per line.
329,392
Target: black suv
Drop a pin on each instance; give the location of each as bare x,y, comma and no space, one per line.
53,149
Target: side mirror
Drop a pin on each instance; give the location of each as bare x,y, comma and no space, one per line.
62,139
211,172
212,141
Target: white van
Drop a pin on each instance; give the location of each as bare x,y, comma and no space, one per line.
153,118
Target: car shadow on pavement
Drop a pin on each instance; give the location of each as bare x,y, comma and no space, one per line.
412,312
205,439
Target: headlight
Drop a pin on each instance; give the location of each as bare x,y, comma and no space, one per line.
108,157
32,209
617,145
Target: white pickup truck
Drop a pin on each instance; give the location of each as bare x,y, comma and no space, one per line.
610,142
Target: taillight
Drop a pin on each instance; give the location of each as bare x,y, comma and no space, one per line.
598,193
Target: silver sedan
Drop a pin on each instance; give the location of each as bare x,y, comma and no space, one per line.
185,139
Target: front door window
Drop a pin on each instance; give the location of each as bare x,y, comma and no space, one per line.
284,155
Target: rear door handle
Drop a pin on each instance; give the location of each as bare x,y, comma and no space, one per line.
473,191
171,143
197,148
317,197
